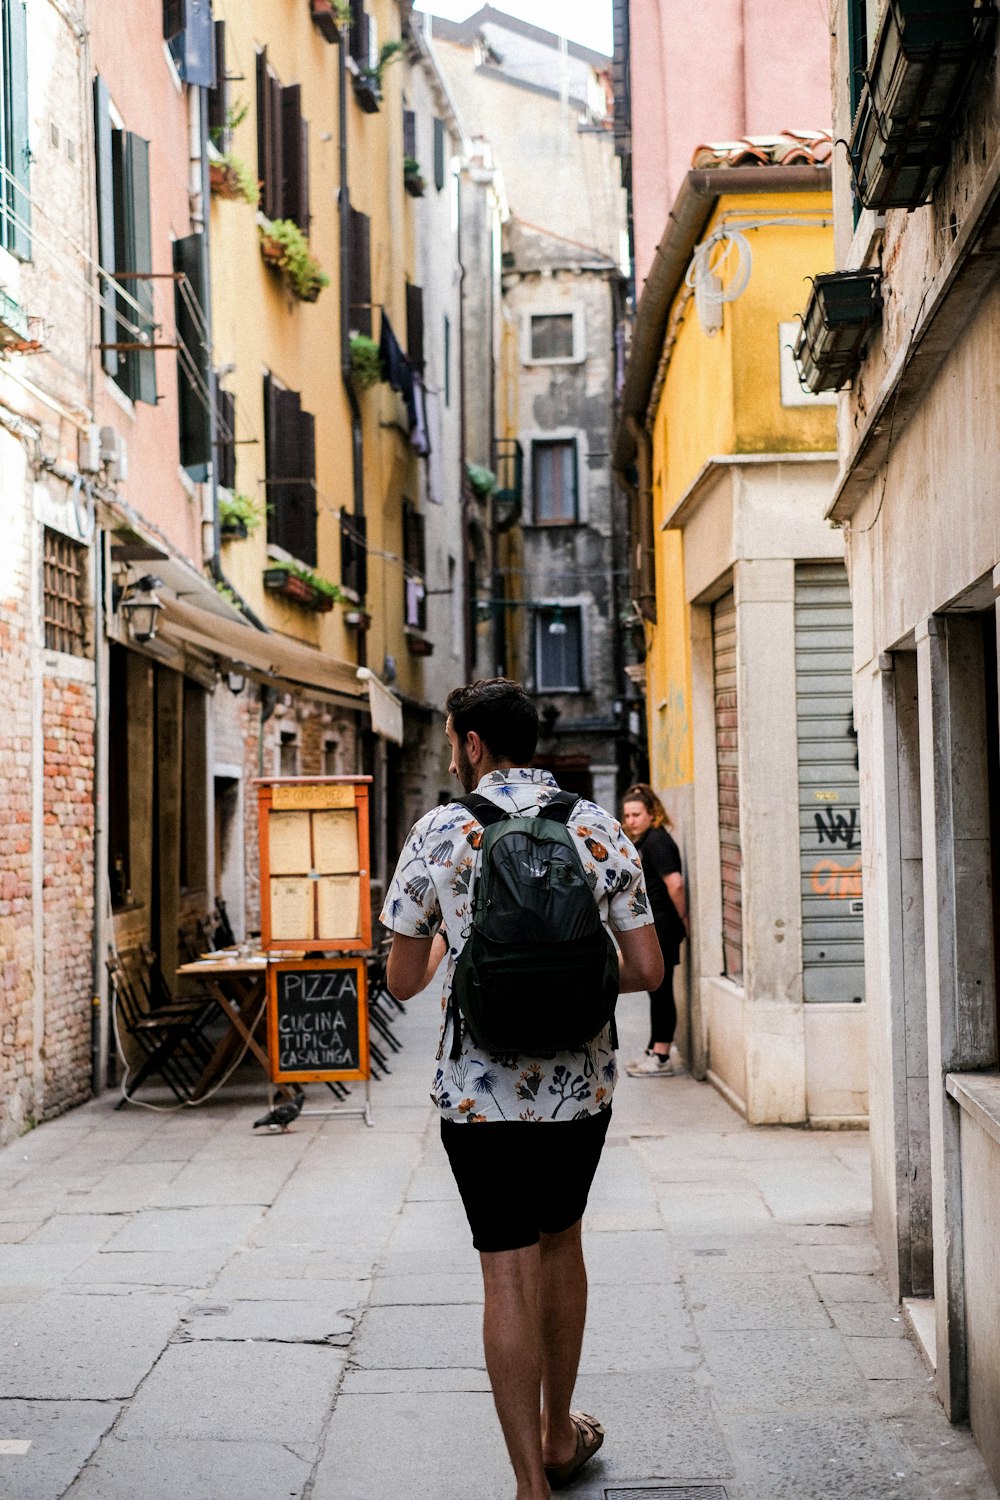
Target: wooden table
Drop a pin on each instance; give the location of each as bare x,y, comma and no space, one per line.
238,985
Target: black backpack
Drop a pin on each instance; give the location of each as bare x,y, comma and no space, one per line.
539,972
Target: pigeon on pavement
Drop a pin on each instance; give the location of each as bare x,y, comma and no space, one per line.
282,1114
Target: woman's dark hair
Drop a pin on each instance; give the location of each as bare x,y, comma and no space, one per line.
501,713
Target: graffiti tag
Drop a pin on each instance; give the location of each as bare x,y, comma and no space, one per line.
837,827
835,881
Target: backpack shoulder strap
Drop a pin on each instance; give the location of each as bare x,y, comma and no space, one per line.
482,809
559,807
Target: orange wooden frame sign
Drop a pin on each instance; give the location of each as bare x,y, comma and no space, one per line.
314,794
317,1075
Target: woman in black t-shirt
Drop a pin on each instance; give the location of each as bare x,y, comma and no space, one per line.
647,825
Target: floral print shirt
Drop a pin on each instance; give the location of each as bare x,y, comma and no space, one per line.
432,890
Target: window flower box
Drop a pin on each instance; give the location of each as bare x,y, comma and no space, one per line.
298,589
842,311
328,17
368,92
418,645
413,182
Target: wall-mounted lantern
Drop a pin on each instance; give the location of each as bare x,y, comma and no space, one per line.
141,607
842,310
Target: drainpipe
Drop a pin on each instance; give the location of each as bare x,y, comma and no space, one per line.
644,462
99,943
344,204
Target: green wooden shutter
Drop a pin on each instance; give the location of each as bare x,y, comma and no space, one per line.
17,156
105,220
139,257
191,257
410,134
438,153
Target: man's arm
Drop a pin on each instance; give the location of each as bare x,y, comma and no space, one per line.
413,963
642,962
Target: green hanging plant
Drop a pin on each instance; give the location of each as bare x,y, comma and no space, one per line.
366,362
283,244
483,481
239,515
235,115
232,178
388,52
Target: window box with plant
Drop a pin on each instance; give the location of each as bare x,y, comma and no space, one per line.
239,516
330,17
482,481
231,178
284,246
368,79
300,585
413,182
366,362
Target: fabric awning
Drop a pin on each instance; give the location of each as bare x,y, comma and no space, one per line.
386,709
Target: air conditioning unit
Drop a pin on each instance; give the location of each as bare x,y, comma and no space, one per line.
88,449
114,453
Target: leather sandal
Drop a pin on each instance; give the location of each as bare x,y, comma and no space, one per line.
589,1437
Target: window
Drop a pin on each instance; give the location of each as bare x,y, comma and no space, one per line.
364,36
558,649
415,326
290,458
361,274
63,594
554,482
188,31
410,134
288,754
552,336
439,162
193,371
415,569
353,554
282,148
126,250
218,96
15,148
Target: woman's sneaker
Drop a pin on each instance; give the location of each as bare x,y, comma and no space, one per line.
653,1065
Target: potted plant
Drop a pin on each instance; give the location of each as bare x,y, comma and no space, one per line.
330,16
418,645
283,245
366,362
232,178
239,516
482,481
412,179
368,81
302,586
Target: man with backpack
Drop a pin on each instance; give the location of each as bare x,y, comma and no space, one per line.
516,886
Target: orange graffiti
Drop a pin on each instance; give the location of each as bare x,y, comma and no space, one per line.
836,882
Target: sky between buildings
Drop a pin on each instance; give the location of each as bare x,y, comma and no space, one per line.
585,21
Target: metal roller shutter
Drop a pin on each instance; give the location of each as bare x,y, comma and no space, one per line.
727,760
829,813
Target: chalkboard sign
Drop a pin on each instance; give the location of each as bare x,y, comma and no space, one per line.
317,1020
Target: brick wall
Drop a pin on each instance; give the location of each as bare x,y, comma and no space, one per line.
68,900
17,978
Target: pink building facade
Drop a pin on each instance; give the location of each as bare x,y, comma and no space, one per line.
716,71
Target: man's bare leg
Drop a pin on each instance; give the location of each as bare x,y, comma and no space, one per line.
512,1341
563,1312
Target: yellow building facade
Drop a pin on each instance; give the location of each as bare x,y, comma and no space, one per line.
748,641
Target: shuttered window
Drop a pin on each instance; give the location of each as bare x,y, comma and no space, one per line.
188,30
439,163
218,97
554,482
415,325
410,134
354,554
282,148
290,457
15,148
193,367
126,250
727,760
414,573
364,36
225,456
360,318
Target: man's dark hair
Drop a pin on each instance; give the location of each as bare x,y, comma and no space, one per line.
501,713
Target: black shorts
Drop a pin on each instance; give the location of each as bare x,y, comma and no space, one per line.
520,1179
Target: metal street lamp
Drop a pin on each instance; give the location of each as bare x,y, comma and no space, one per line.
141,608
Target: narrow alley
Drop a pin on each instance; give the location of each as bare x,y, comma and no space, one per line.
192,1311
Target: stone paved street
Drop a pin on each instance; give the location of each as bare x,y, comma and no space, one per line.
192,1312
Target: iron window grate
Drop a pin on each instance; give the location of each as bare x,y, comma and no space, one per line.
65,629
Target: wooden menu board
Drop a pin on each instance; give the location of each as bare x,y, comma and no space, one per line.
314,874
317,1020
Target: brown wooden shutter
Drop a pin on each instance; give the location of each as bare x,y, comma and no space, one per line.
225,455
415,558
359,33
354,553
272,461
360,315
194,378
415,325
728,761
295,158
410,134
305,492
218,98
270,155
